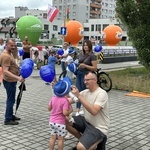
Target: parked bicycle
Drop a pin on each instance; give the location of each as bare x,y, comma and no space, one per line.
104,80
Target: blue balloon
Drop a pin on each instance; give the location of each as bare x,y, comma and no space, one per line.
21,52
72,67
26,70
97,49
47,73
27,67
71,51
60,51
28,61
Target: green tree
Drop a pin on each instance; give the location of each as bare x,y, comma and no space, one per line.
135,15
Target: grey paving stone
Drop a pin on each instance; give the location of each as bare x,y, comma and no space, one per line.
129,128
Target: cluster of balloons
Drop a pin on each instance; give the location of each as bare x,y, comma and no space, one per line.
47,73
29,26
26,68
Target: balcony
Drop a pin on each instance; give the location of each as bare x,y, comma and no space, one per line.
6,29
95,5
99,1
95,12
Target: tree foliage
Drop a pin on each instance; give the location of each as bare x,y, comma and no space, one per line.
135,15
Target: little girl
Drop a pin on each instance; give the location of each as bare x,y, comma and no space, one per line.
60,108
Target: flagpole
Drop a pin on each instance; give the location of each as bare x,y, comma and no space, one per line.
65,15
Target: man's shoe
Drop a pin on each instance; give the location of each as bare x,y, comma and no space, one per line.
75,148
11,122
15,118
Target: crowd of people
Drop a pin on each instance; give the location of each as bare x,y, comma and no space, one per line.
91,124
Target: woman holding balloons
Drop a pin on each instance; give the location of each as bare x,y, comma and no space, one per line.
87,62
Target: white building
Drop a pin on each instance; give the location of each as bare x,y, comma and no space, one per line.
92,27
83,10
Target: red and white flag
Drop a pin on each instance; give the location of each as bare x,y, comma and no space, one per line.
51,13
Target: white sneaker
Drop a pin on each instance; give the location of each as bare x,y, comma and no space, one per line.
69,136
77,114
81,112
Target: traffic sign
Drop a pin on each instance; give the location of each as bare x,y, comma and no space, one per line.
63,30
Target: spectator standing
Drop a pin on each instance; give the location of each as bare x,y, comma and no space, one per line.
10,77
64,56
87,62
70,59
26,47
2,45
36,57
45,53
52,62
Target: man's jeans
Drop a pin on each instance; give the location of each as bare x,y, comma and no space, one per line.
80,84
10,101
63,66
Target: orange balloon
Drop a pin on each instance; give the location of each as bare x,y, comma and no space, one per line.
112,35
74,32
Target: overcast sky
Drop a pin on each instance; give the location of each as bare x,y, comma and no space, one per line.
7,7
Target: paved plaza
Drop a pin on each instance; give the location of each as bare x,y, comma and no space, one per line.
129,125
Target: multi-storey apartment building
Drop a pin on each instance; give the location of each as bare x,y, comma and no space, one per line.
83,10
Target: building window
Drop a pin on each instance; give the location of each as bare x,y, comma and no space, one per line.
105,25
98,27
86,29
86,15
45,15
74,6
60,7
106,4
46,27
92,27
54,1
53,35
74,13
55,27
